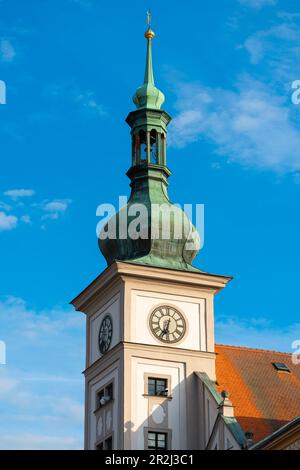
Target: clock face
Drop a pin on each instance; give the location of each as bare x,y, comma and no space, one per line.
105,334
167,324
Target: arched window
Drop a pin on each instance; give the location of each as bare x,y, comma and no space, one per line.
153,147
163,148
135,149
143,146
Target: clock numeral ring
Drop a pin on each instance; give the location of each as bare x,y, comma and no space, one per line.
105,334
167,324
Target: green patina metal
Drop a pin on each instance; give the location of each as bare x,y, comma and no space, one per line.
211,386
147,95
165,235
231,422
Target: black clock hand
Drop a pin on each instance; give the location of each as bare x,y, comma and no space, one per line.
166,325
165,330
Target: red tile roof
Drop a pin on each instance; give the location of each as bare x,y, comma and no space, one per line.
264,398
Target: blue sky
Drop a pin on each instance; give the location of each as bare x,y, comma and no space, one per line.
71,67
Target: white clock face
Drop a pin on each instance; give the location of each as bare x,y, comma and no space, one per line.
167,324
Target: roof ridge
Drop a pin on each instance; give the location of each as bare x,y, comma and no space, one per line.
251,349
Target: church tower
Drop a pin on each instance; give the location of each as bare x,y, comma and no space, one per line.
150,314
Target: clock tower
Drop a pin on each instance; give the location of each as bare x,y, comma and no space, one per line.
150,314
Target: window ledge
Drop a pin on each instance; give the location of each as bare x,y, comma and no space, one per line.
103,406
166,397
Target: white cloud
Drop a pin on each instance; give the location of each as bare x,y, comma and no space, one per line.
28,441
255,47
256,333
49,378
70,93
18,193
31,324
7,50
66,407
7,222
7,384
279,47
258,3
26,211
254,122
88,101
250,125
56,208
5,206
26,219
45,357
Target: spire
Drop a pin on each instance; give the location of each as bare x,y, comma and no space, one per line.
149,35
148,176
147,95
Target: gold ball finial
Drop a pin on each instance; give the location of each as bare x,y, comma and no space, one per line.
149,34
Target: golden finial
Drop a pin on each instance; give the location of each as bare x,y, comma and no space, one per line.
149,34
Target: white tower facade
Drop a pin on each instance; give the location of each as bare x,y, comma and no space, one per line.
141,389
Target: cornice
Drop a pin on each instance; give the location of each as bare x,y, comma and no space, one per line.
129,270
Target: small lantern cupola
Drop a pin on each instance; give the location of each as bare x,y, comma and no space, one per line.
148,122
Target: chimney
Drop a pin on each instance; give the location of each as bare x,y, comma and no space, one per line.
226,407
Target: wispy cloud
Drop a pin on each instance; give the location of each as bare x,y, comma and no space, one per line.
4,206
278,47
257,3
237,123
7,50
54,209
29,441
26,219
7,384
256,333
49,340
72,95
88,101
253,122
28,323
19,193
7,222
29,212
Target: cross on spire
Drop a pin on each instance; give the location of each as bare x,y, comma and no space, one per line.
149,18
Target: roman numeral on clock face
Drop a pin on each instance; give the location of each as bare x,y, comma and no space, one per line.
167,324
105,334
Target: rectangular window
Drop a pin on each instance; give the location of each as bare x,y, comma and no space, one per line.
157,387
157,440
105,395
109,391
99,396
281,366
